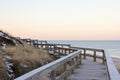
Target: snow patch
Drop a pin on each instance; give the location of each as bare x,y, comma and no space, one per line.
9,66
3,46
15,42
9,70
23,65
7,57
1,34
7,37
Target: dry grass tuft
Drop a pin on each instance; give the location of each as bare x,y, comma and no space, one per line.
26,58
3,74
27,52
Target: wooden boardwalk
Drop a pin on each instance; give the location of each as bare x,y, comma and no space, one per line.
89,70
76,58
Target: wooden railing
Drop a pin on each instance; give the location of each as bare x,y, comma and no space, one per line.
57,50
93,53
112,70
72,60
72,57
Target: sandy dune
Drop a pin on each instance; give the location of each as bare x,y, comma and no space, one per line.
116,62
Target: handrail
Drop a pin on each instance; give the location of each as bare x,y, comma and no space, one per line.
86,52
112,71
48,68
89,49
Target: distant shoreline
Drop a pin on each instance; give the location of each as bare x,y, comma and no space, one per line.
118,57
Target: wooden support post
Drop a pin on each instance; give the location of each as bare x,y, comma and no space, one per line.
80,58
55,50
77,58
94,56
58,50
72,50
65,68
41,46
65,51
53,75
62,48
37,44
30,42
72,62
68,46
103,57
62,51
69,51
84,53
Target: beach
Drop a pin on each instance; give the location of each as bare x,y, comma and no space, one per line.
116,62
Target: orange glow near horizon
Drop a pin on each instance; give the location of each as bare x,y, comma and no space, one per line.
65,33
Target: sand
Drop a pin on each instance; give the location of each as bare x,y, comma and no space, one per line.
116,62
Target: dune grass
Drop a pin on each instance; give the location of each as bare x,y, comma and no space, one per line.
26,52
3,74
26,58
22,56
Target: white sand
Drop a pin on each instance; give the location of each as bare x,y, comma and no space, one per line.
116,62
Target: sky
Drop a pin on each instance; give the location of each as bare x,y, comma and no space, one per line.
61,19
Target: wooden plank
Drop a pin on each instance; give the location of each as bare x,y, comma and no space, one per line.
89,71
68,70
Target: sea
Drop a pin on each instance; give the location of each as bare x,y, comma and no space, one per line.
112,46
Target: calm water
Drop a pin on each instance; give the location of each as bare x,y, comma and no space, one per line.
112,46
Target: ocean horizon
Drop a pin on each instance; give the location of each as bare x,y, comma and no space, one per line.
112,46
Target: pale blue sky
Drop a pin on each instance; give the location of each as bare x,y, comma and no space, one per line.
61,19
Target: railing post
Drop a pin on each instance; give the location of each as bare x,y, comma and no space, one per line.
94,56
62,48
53,75
69,51
77,58
103,57
84,53
72,62
65,68
58,50
65,52
55,50
80,58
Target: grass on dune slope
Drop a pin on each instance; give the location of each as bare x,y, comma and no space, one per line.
25,58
